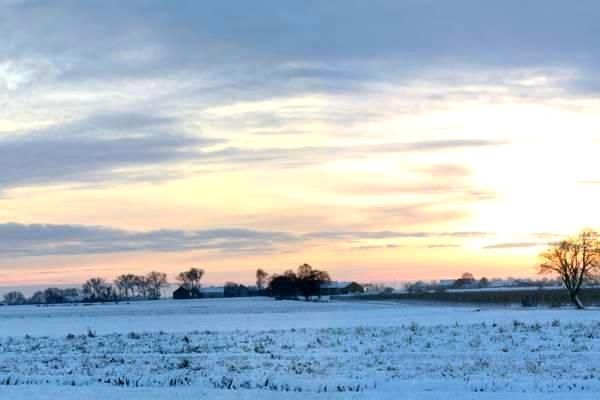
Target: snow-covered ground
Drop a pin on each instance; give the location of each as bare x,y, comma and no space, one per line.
238,348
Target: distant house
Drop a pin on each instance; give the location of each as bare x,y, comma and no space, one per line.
353,287
330,288
212,292
372,288
446,283
253,291
465,283
339,288
234,290
497,283
419,287
182,294
523,283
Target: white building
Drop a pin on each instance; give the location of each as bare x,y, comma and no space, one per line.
446,283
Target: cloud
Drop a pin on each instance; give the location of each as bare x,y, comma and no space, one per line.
442,246
102,147
359,235
18,240
434,145
34,240
515,245
451,180
136,146
276,48
454,171
310,155
375,247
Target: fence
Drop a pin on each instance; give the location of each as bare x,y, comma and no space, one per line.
526,297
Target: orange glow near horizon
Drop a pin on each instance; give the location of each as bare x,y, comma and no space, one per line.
506,191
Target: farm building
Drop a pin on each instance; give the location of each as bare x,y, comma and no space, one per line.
339,288
212,292
183,294
235,290
446,283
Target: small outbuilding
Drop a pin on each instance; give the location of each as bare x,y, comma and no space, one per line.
340,288
353,287
182,294
212,292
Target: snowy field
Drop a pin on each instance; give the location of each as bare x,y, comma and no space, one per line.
242,348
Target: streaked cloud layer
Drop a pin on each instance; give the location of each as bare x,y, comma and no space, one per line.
431,136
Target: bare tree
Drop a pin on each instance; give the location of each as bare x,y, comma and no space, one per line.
126,284
261,279
54,296
156,281
191,278
309,280
409,287
576,260
37,298
466,280
467,276
415,287
14,298
231,289
142,286
284,286
484,282
97,289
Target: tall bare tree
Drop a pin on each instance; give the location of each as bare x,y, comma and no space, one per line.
409,287
126,284
142,286
97,289
191,278
261,279
309,281
156,280
576,260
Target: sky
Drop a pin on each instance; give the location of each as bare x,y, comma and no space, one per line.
379,140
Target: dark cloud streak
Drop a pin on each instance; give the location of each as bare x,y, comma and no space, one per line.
94,149
18,240
35,240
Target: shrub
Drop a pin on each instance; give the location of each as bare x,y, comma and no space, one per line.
134,335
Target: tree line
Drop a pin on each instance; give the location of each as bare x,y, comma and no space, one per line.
97,289
125,287
468,281
305,282
47,296
576,261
